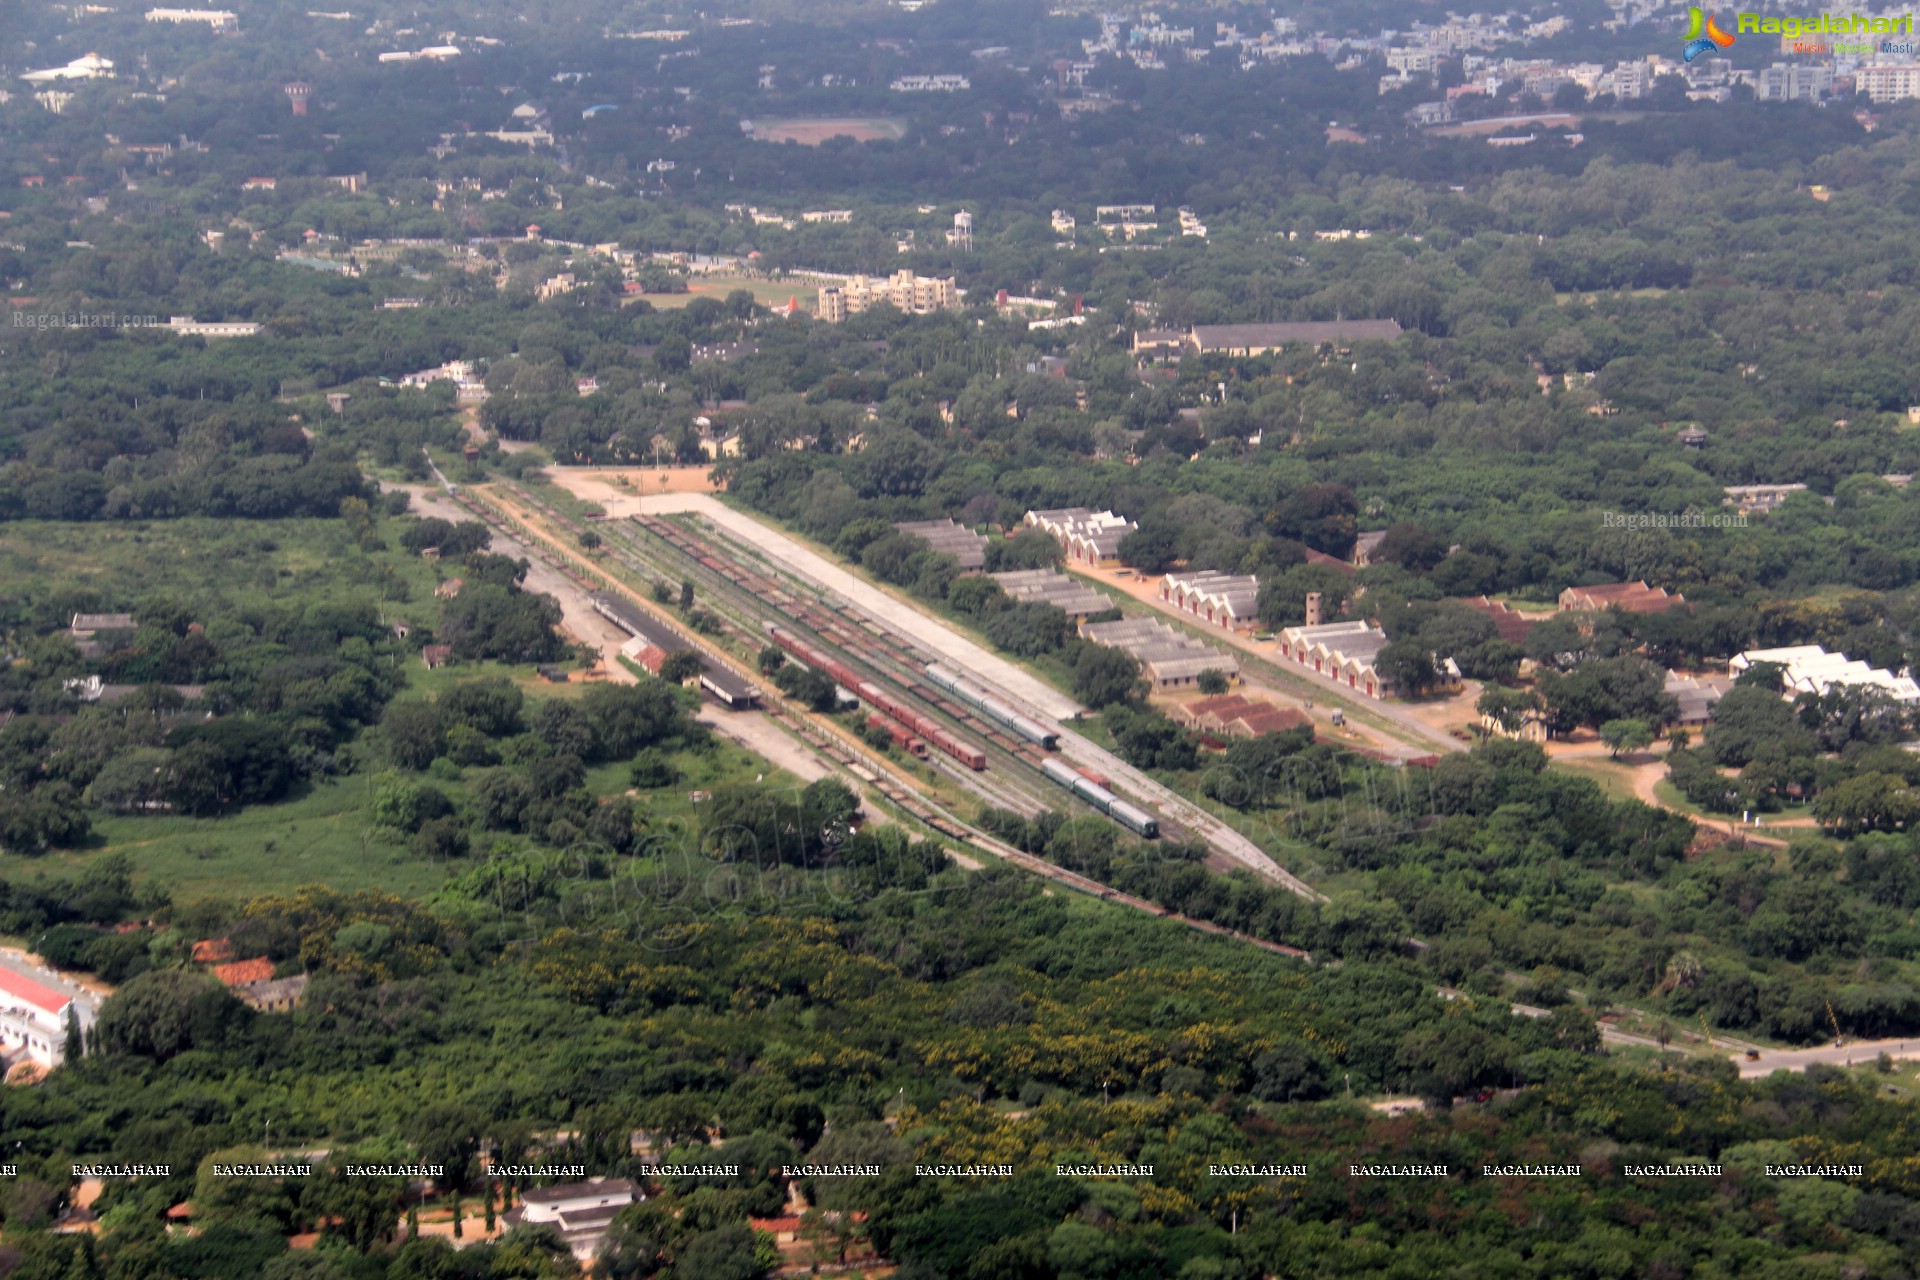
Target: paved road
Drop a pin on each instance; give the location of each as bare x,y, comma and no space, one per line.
993,670
1853,1053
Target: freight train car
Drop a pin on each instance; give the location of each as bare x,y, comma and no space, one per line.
993,708
901,738
1134,819
874,696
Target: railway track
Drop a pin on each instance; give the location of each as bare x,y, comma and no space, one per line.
727,578
1177,815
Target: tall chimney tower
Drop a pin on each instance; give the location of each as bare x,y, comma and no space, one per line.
297,94
1313,609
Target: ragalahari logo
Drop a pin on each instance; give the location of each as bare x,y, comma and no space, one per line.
1703,34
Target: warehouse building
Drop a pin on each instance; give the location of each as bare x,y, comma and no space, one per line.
1224,599
1168,658
949,539
1087,536
1048,586
1346,651
1230,715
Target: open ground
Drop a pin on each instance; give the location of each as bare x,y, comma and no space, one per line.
812,131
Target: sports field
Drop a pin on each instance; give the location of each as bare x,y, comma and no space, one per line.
811,132
768,293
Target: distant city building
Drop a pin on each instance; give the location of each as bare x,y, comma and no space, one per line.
1346,652
582,1212
1259,339
1796,82
467,384
1888,83
1232,715
915,295
1756,499
1049,586
189,327
930,84
218,19
88,67
1169,659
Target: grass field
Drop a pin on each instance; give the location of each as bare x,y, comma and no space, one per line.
324,837
811,131
768,293
328,836
325,834
118,562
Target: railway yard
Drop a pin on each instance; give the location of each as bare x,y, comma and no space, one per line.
983,740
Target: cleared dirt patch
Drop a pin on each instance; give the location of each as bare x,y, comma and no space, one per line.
813,132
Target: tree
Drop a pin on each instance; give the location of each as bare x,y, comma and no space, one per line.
725,1253
165,1012
1603,689
1868,802
682,666
1290,1072
772,658
1103,676
1509,708
1212,681
1151,547
1626,736
1411,547
1750,718
686,594
589,540
415,733
1409,667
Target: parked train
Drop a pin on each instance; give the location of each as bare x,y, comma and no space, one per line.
1134,819
901,738
880,700
991,707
